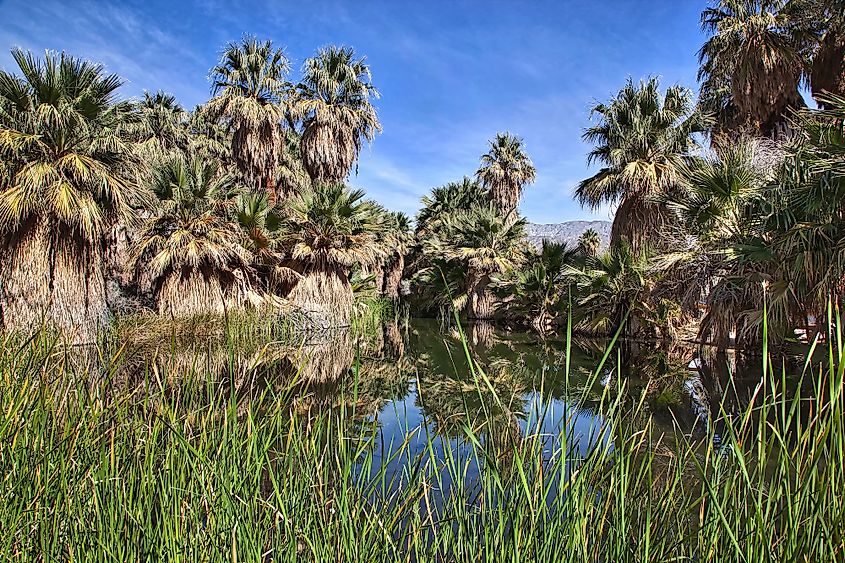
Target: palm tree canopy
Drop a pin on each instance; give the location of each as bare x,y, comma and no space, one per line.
640,140
162,127
589,242
332,227
484,240
192,225
63,145
334,103
753,61
251,69
445,200
505,170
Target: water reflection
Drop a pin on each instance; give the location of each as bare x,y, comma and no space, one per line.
416,380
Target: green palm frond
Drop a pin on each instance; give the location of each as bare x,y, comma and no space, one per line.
191,227
332,227
63,144
641,139
505,171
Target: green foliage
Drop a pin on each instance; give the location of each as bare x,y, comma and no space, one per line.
333,102
539,291
641,140
331,227
192,225
64,151
505,170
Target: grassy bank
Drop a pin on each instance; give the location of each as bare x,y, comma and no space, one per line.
179,464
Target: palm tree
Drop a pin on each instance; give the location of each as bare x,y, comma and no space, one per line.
249,88
827,74
210,139
398,240
640,140
64,180
191,246
261,235
612,286
486,244
333,101
505,170
752,63
589,242
445,200
293,177
540,290
807,226
163,126
328,230
725,208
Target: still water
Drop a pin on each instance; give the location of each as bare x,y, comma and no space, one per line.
417,386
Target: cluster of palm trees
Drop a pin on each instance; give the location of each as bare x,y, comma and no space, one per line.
728,210
725,206
240,202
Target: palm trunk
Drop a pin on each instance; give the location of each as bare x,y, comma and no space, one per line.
195,291
325,296
393,277
395,342
480,298
481,334
377,271
52,277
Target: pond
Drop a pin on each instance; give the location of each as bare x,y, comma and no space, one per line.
419,386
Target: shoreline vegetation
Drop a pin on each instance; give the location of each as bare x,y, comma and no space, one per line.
202,321
205,460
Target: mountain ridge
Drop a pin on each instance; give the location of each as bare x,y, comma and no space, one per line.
566,232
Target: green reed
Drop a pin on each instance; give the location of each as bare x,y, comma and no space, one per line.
180,465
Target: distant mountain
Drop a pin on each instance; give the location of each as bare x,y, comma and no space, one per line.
567,232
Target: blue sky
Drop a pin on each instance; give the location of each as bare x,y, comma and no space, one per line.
451,73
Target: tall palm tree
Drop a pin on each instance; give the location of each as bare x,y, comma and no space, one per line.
333,101
505,171
328,230
486,244
640,140
752,63
209,138
249,88
64,180
191,246
293,177
589,242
